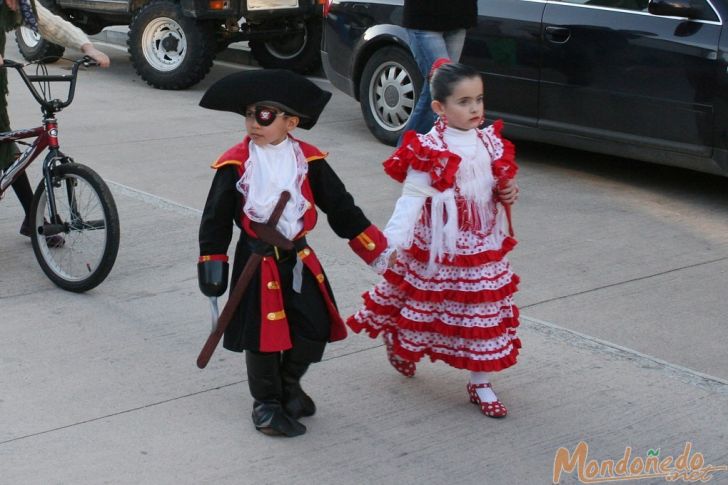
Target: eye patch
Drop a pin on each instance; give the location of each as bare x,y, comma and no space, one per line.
263,116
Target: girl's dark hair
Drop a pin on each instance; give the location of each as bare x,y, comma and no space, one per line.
444,78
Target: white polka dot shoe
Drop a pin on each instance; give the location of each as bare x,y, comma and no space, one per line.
494,409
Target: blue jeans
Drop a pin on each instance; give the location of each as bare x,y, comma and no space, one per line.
428,46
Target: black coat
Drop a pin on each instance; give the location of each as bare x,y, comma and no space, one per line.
307,313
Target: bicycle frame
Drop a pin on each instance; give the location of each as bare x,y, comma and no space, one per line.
46,136
73,220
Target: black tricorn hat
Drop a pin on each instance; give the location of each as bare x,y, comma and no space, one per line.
281,88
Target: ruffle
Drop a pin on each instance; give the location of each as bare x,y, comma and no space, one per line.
460,362
360,323
465,363
466,260
482,296
362,326
437,325
412,153
394,309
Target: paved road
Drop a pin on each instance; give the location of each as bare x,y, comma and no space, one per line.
624,269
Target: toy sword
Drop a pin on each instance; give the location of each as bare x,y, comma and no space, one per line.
267,233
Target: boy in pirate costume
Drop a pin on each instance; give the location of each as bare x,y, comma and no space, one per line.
36,17
287,314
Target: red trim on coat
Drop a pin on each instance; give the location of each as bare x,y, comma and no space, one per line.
311,261
369,244
238,154
275,333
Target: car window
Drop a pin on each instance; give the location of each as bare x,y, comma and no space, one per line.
640,5
706,11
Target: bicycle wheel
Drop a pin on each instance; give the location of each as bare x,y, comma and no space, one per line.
83,251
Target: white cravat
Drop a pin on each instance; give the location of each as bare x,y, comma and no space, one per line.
270,170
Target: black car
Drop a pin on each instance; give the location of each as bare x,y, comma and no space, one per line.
645,79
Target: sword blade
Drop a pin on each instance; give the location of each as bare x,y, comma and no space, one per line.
214,312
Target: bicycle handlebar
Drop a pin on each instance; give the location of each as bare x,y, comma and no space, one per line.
51,105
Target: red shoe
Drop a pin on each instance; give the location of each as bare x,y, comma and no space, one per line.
405,367
494,409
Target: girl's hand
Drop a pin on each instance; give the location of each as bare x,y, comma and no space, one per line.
508,193
392,259
12,5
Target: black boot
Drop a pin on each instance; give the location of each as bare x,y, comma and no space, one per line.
264,381
294,365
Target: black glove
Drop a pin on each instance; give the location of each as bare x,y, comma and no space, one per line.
213,277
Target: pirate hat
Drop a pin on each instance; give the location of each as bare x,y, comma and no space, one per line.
278,88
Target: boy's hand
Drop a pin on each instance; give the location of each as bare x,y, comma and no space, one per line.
508,193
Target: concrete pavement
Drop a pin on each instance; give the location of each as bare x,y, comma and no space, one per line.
103,388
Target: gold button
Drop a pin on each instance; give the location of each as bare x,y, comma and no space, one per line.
320,278
273,285
371,246
276,315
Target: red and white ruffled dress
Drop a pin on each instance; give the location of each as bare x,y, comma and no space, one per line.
449,295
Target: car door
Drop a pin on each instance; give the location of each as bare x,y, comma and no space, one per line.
613,71
504,46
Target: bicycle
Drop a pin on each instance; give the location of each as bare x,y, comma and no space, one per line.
71,200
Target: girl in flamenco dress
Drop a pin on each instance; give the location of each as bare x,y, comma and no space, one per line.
447,287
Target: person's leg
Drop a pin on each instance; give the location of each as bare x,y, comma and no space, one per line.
308,318
427,46
454,40
294,365
9,153
22,189
264,381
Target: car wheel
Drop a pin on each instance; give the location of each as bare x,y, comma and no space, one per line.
299,52
34,48
167,49
388,90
